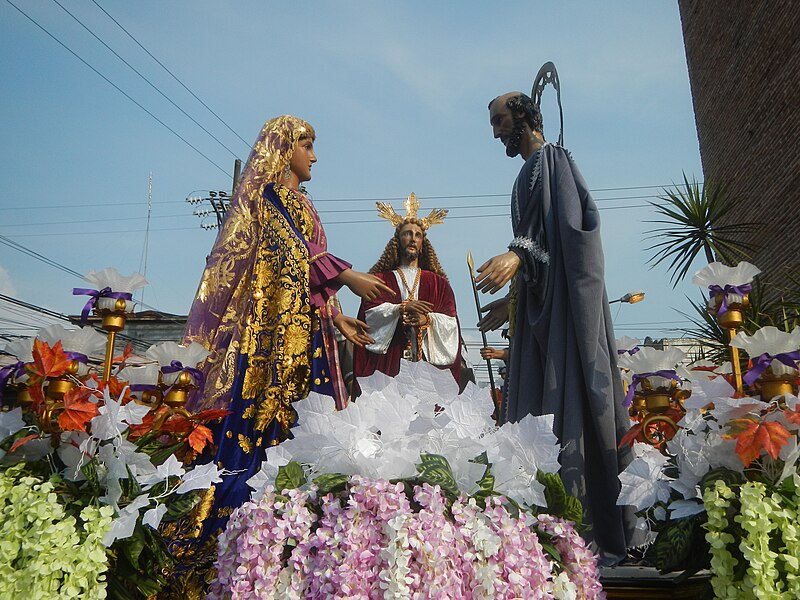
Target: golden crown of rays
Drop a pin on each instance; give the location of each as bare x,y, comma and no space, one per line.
386,211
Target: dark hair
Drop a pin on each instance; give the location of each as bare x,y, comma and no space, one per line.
522,106
390,258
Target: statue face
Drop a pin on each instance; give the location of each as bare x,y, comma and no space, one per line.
302,159
505,127
411,236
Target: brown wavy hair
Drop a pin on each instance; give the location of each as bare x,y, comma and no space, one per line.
390,259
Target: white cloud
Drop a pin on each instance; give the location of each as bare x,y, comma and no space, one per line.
6,285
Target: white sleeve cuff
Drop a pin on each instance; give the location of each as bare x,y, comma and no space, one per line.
440,343
382,321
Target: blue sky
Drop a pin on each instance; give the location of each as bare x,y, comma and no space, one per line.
397,93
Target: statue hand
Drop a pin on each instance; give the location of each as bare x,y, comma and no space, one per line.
352,329
497,271
418,307
493,353
496,315
367,286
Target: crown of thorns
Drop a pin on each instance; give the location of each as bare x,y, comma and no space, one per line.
386,211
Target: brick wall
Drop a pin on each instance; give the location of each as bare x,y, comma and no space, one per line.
744,68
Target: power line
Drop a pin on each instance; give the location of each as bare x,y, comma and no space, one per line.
146,80
62,317
116,87
318,201
175,77
48,261
40,257
326,224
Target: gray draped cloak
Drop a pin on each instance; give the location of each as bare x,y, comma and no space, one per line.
562,355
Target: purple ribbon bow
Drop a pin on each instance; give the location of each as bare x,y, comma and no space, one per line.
632,351
741,290
6,373
762,362
142,387
81,358
95,296
638,377
175,366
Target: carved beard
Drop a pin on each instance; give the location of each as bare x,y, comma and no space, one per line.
515,139
410,252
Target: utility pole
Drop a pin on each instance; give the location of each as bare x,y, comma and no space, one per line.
220,200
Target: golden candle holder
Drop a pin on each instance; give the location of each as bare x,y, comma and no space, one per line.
771,385
731,320
178,393
23,395
652,406
58,386
151,398
113,321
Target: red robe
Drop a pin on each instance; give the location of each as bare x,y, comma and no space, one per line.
433,288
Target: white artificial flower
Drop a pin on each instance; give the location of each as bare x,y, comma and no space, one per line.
123,525
716,273
643,481
171,467
277,456
110,277
626,344
11,422
199,478
21,348
517,451
768,339
650,360
153,516
680,509
115,417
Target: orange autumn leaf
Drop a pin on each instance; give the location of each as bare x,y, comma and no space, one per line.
754,436
22,441
177,424
47,361
634,434
78,411
213,414
148,423
200,436
793,416
115,389
126,354
37,397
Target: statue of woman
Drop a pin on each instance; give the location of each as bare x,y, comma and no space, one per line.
266,311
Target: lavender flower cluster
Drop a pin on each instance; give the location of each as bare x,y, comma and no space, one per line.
373,541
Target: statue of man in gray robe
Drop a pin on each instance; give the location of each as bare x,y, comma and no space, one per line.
562,354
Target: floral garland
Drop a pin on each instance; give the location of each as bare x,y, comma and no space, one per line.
755,518
717,501
46,551
369,542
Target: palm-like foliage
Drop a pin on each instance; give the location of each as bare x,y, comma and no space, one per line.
691,225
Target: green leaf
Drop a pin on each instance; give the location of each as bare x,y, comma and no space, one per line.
133,546
89,471
573,511
681,545
330,482
731,478
435,470
554,492
290,476
180,505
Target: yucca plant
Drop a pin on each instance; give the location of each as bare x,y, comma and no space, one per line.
691,225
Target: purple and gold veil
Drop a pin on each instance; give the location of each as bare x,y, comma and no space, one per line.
221,307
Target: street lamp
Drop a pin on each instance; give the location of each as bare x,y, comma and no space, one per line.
630,297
